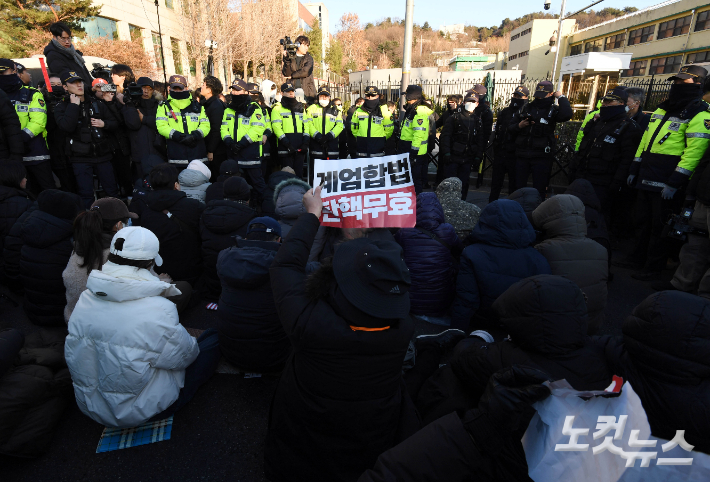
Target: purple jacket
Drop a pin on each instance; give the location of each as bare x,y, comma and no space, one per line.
430,263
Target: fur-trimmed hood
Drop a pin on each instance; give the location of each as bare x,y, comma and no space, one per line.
288,198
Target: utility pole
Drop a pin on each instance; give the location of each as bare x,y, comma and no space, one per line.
559,42
407,56
162,54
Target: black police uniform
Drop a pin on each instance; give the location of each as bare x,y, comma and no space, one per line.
504,147
461,145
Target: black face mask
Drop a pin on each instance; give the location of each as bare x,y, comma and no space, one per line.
238,102
289,102
609,112
371,104
10,83
544,102
516,103
681,95
58,91
185,94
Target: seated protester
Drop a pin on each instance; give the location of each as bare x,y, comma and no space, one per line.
469,447
571,254
596,225
288,201
36,388
462,215
222,222
143,185
139,118
429,250
93,232
130,359
195,180
663,353
529,198
175,220
14,202
227,169
83,120
267,207
499,253
545,317
349,326
250,333
46,235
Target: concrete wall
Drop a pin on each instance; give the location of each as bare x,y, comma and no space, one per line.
535,64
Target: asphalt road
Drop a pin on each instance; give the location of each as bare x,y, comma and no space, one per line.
220,434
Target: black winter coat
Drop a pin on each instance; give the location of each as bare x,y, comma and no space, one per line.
250,332
35,389
664,353
596,225
58,61
606,151
11,252
699,185
486,114
463,138
340,401
179,234
71,118
538,138
214,109
46,249
14,202
221,222
546,318
141,134
11,145
267,206
301,76
504,139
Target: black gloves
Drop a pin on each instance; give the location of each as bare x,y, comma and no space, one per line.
235,148
189,141
178,137
25,136
329,136
319,138
284,142
509,393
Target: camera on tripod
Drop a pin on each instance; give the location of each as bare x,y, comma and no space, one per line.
289,46
101,72
678,226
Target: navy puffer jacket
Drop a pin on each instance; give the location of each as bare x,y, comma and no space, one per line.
13,203
500,254
222,221
431,264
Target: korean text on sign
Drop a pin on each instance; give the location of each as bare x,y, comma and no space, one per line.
367,193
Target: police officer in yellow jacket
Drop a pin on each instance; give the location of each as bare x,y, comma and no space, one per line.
414,135
371,125
289,121
242,131
672,145
184,124
31,109
325,125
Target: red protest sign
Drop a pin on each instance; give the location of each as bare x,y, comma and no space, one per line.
367,193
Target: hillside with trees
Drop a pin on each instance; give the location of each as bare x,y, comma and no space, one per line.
357,47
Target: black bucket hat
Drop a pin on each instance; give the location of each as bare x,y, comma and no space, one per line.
373,277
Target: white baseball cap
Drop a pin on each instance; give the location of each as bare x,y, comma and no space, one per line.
137,243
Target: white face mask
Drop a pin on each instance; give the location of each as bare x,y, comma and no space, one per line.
323,102
627,108
470,106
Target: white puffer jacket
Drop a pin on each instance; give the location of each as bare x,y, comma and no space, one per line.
126,349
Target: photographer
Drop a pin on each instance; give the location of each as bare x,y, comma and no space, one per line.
298,68
121,76
139,117
85,120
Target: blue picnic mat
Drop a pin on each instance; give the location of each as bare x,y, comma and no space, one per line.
122,438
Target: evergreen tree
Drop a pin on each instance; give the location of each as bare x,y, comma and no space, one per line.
316,38
17,17
334,57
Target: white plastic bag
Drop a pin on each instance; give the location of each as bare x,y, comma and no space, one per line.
604,436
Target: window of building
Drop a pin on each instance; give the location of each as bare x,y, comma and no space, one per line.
615,41
159,61
513,57
177,56
594,46
703,21
666,65
524,54
517,35
576,49
671,28
525,32
635,68
100,27
169,4
135,32
698,57
641,35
